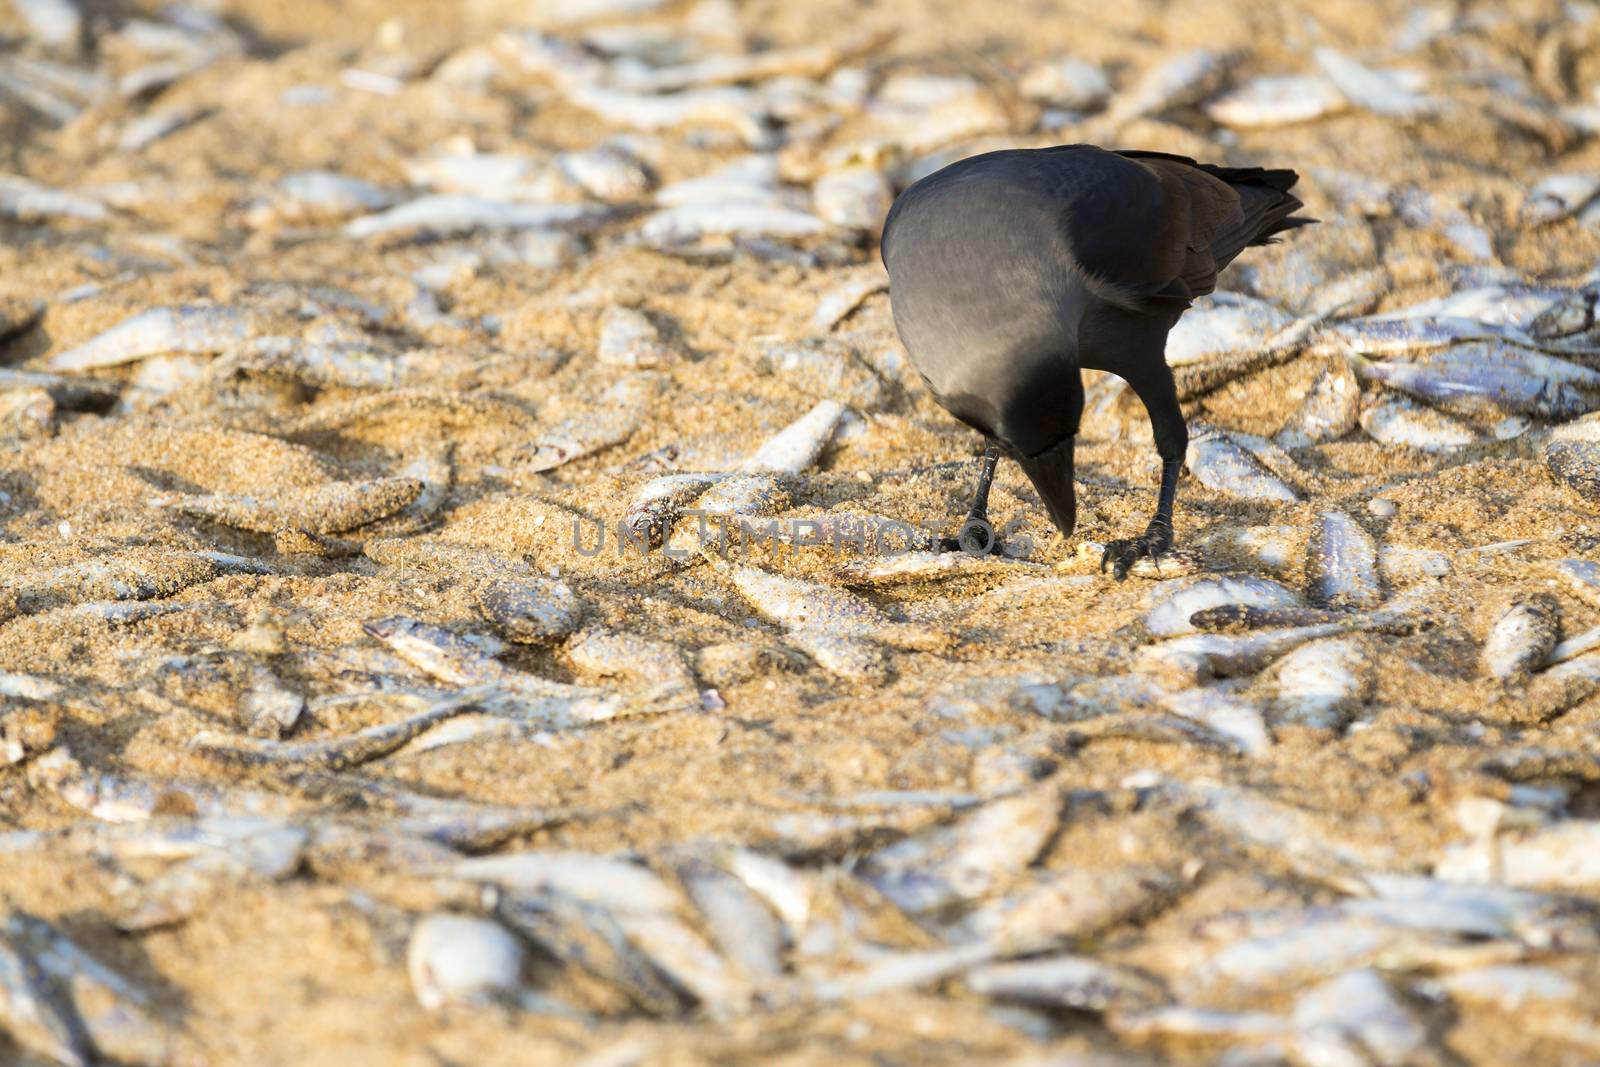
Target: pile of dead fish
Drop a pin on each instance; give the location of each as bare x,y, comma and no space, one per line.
229,420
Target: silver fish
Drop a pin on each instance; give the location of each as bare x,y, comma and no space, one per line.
1323,681
193,329
855,197
1175,602
448,215
270,710
738,108
687,223
589,937
1582,577
629,339
1181,80
608,171
1277,100
1223,324
311,197
531,610
29,201
1068,83
617,416
53,23
1343,563
1402,421
1079,983
1328,412
1218,462
1522,637
660,668
742,924
338,752
323,509
1377,91
1356,1015
1401,563
1557,197
1199,657
460,959
970,859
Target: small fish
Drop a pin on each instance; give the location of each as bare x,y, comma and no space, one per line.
1343,564
449,215
1075,983
674,226
629,339
658,503
1576,464
191,329
1522,637
1557,197
855,197
745,495
811,607
619,413
1328,412
1229,716
660,668
609,172
808,61
1322,682
1377,91
334,753
1223,324
1356,1015
312,197
1582,578
1574,646
270,710
1306,842
1401,563
1200,657
737,108
1183,79
839,302
743,926
29,201
1402,421
1279,100
614,883
1444,215
1218,462
323,509
531,610
147,130
1068,83
459,959
1177,602
909,567
970,859
853,658
589,937
53,23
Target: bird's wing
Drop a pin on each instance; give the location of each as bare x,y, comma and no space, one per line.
1147,227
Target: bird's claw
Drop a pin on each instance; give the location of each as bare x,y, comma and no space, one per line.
976,538
1123,553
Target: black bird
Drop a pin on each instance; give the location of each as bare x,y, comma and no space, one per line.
1011,271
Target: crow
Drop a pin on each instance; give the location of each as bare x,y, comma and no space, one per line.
1011,271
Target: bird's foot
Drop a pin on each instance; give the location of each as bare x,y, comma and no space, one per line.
977,538
1125,552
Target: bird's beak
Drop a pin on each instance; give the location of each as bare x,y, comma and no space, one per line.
1051,475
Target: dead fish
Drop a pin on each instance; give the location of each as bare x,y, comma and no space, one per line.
742,924
1402,421
334,753
1575,464
970,859
1279,100
1401,563
608,171
1557,197
1218,462
739,109
610,882
798,445
311,197
29,201
270,710
808,61
853,658
1358,193
1069,905
1068,83
856,197
907,567
685,224
1223,324
1181,80
1376,91
617,416
1343,563
344,365
1226,714
1204,656
1388,336
1305,841
1522,636
837,305
37,1016
531,610
1582,577
1574,646
629,339
1329,411
447,215
589,938
657,504
1077,983
132,575
1176,602
1322,682
1562,856
463,661
1353,1017
1443,214
53,23
660,668
678,951
323,509
192,329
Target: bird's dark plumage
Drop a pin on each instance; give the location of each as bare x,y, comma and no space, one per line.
1011,271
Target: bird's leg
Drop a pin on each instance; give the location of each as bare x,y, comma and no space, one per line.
1172,440
977,534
